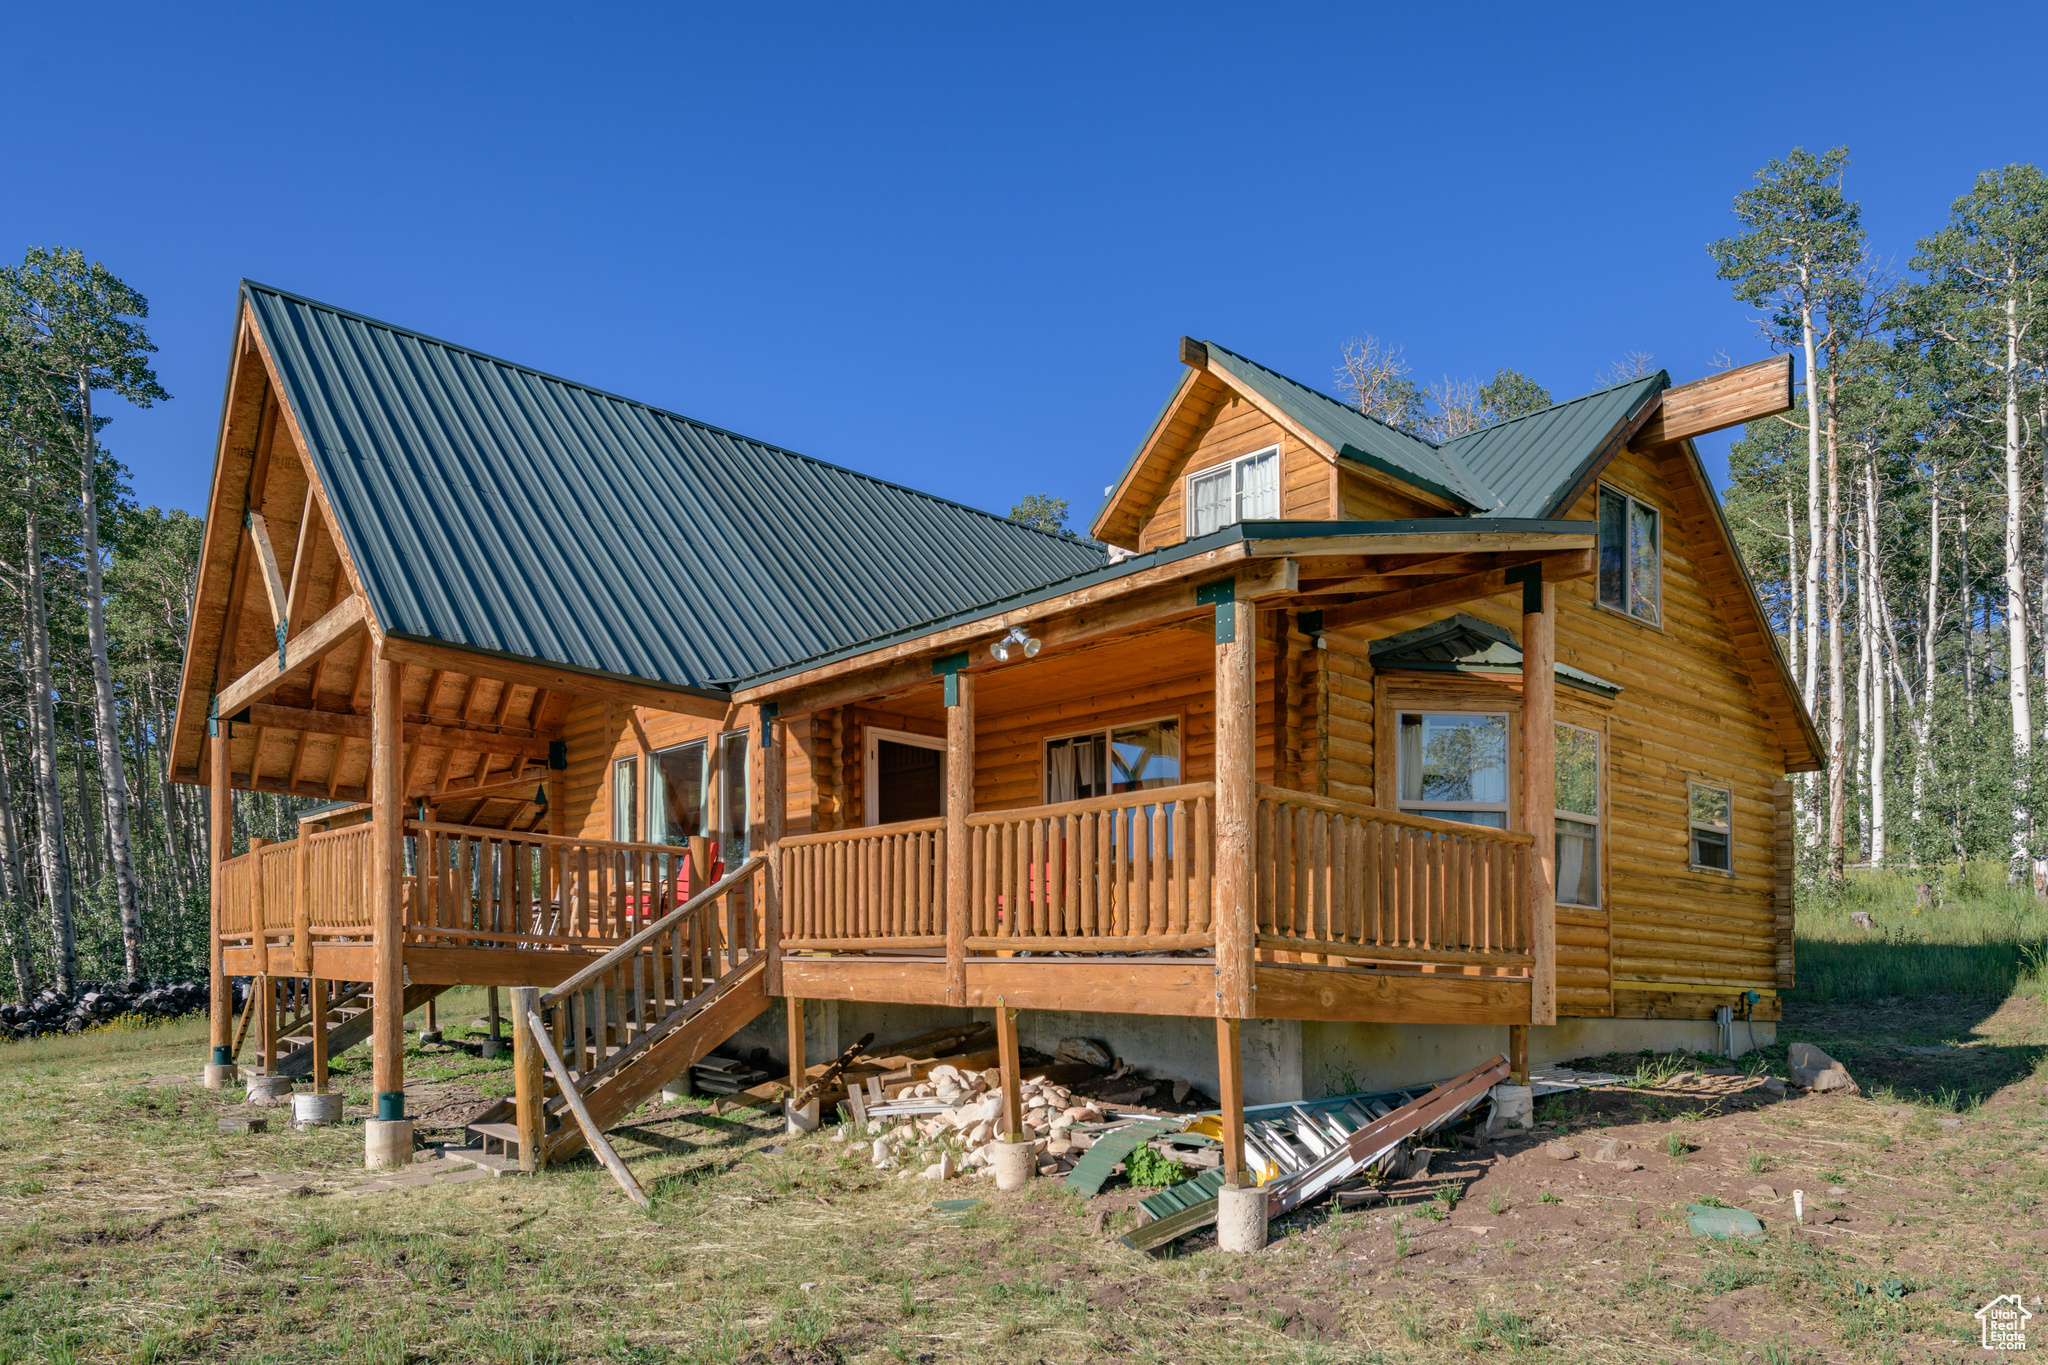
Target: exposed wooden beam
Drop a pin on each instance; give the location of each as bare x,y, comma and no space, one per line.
1720,401
298,588
1451,591
503,782
1425,542
266,560
434,736
430,654
308,647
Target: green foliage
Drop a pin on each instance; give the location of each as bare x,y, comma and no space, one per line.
1981,939
1510,394
1147,1167
1043,511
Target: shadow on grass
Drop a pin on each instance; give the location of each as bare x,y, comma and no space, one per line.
1890,1047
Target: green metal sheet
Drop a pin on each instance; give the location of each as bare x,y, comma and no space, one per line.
1179,1198
1093,1168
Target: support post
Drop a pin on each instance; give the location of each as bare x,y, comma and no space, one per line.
528,1085
388,1136
302,906
1234,918
1006,1058
1230,1085
319,1036
263,999
1539,785
266,989
220,1001
1518,1054
491,1011
794,1009
774,815
959,805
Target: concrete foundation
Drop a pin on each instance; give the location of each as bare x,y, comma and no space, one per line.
1241,1218
804,1120
314,1111
387,1143
1284,1059
271,1089
1014,1163
218,1077
492,1047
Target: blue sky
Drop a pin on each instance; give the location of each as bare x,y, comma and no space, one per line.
956,246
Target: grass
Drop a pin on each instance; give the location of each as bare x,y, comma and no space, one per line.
1979,940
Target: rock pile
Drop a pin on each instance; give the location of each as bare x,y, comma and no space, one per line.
962,1136
97,1003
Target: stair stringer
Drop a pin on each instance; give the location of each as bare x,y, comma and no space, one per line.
351,1031
618,1094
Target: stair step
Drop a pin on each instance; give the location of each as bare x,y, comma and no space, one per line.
496,1164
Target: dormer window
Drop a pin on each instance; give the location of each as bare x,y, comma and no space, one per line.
1246,489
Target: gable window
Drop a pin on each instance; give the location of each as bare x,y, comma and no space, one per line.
1454,767
734,806
1578,817
1712,831
1246,489
1631,573
675,793
626,800
1124,758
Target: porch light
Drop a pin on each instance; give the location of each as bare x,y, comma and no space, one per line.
1015,640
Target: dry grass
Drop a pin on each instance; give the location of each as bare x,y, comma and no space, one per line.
131,1231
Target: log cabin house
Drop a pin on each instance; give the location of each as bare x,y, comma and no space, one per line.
1342,755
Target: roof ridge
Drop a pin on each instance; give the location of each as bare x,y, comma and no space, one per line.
1326,397
1539,412
668,413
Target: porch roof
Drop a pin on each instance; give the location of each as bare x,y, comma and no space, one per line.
1260,539
1466,644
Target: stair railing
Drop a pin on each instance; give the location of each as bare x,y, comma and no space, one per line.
684,952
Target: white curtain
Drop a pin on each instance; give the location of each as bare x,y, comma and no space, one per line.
1060,774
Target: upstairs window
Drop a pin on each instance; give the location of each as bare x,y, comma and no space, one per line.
1631,571
1454,767
1246,489
1712,833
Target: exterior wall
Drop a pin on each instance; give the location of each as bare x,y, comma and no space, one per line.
1669,942
1306,479
598,733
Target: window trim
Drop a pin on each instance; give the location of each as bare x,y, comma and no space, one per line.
1691,825
720,827
1598,819
1629,500
871,766
1188,492
620,765
646,798
1180,726
1510,718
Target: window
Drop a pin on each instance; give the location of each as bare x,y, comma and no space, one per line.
735,803
675,793
1711,831
1246,489
626,800
1631,578
1454,767
1578,817
906,776
1125,758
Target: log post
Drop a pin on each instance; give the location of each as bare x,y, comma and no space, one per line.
1230,1088
319,993
793,1008
302,905
265,990
528,1092
1539,784
491,1012
1518,1054
1234,916
959,805
388,1136
774,815
1006,1058
220,1000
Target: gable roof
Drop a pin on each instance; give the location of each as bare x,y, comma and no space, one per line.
1466,644
1357,437
1536,463
493,507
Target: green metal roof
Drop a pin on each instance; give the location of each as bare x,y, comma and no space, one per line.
492,507
1354,436
1466,644
1534,461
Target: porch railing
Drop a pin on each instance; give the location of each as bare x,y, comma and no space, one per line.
1358,883
880,886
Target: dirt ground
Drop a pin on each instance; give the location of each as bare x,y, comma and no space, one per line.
132,1230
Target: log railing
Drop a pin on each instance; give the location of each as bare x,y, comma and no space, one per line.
1357,883
878,887
1127,873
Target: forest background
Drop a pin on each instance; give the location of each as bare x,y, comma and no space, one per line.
1895,524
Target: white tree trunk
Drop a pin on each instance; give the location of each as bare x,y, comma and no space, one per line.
13,889
1866,654
1809,681
107,729
52,857
1880,689
2021,865
1838,754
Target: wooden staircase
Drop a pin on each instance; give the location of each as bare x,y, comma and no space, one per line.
349,1021
633,1020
